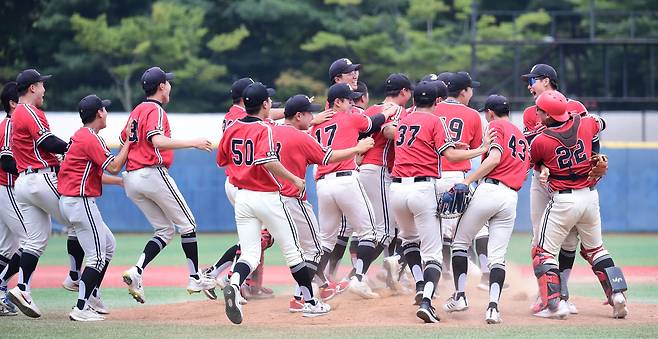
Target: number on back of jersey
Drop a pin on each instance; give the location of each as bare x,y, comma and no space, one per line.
243,152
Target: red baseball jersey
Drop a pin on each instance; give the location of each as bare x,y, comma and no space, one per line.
383,153
340,132
567,160
515,154
296,150
464,125
234,113
246,144
146,120
81,172
6,179
533,126
29,128
419,141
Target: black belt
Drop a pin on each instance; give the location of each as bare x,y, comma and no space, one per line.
569,190
496,182
339,174
50,169
416,179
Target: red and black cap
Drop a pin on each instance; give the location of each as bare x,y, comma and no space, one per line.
28,77
153,77
300,103
342,66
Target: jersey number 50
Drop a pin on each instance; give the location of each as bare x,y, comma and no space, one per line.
243,152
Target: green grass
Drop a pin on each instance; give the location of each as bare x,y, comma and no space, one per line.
637,293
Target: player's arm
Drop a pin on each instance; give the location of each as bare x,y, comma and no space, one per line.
276,113
322,117
455,155
162,142
111,180
277,169
53,144
360,148
490,162
116,164
8,164
388,131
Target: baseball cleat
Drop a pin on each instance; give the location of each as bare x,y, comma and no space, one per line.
561,312
342,285
71,285
211,294
85,315
201,284
4,312
619,309
97,304
427,312
261,293
223,282
492,316
296,305
311,311
232,303
328,292
392,267
6,304
456,303
133,279
420,287
572,307
23,300
361,288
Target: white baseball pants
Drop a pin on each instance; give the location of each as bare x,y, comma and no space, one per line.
308,230
12,230
376,181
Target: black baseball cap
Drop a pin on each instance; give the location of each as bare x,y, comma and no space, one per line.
461,80
442,89
255,94
496,103
300,103
28,77
90,104
541,71
154,76
444,76
341,91
342,66
361,87
239,86
426,92
9,93
397,81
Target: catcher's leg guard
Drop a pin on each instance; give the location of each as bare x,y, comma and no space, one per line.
548,279
610,276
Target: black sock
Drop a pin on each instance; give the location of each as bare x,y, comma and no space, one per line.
431,277
28,265
365,253
481,245
312,268
88,283
496,282
76,255
227,256
337,254
243,270
303,278
412,255
459,269
565,264
354,244
151,250
324,259
188,241
14,265
101,276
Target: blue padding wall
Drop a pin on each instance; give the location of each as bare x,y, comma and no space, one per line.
628,194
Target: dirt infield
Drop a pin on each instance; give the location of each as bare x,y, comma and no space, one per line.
390,310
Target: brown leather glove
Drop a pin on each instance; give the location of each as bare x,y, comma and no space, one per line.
599,163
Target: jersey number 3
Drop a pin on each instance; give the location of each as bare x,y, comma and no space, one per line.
413,129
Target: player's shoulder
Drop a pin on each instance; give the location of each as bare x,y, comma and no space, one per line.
575,107
372,110
530,110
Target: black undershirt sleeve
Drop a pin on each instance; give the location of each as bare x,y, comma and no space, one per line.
54,144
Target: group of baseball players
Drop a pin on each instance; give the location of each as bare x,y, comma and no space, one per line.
394,178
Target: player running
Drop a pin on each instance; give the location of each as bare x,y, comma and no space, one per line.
148,184
500,176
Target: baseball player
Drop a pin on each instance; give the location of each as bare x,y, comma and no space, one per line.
12,229
149,185
80,183
375,173
464,126
339,190
248,149
544,78
564,149
500,176
296,150
34,147
420,139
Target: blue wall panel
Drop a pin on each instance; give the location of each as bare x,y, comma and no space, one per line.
628,194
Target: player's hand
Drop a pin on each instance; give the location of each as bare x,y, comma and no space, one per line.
322,117
301,186
489,135
202,144
365,144
390,109
543,175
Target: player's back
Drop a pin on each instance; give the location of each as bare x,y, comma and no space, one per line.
82,169
464,125
147,120
340,132
234,113
29,128
383,152
515,157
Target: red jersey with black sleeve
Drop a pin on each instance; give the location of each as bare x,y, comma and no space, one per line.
245,145
340,132
296,150
383,152
234,113
146,120
515,154
29,128
566,151
464,125
81,172
420,139
6,179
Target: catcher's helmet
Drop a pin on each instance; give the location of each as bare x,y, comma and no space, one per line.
554,104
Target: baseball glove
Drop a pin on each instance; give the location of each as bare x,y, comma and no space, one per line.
266,239
599,166
454,202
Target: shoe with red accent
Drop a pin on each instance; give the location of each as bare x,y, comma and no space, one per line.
296,305
342,286
329,291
